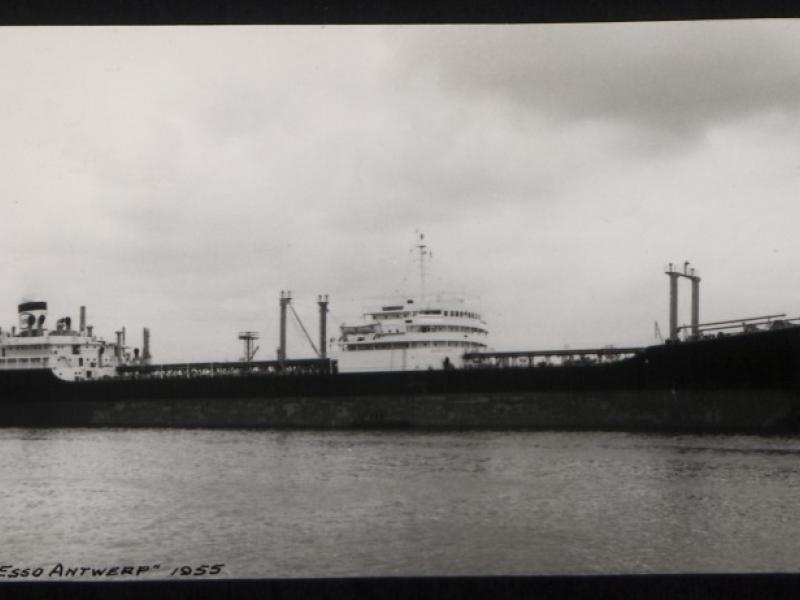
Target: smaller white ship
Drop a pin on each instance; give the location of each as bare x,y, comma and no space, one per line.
414,331
72,355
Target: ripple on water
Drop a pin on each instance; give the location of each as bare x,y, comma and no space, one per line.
311,504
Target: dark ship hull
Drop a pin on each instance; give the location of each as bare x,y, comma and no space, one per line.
738,383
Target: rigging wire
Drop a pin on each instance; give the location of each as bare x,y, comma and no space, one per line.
296,331
308,337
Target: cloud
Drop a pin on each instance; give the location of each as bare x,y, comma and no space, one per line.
180,177
675,79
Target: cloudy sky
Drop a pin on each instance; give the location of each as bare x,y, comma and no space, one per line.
180,177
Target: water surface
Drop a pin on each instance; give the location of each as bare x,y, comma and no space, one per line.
314,504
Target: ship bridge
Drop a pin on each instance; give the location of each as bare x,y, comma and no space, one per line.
417,330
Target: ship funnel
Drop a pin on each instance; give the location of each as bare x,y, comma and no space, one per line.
146,345
31,313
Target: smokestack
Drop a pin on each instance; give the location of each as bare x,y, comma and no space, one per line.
123,336
118,346
286,297
323,335
146,346
83,320
89,329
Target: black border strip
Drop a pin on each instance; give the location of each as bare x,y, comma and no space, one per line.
772,586
238,12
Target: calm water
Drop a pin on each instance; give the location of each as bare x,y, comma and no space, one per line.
310,504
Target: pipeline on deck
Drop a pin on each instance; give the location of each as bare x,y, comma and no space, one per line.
220,369
528,358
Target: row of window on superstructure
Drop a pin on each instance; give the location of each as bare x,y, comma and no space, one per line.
75,347
407,345
22,361
462,313
39,359
31,348
446,313
27,346
456,328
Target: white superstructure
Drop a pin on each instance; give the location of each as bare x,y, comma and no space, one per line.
71,355
415,331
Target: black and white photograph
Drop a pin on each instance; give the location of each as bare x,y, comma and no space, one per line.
370,301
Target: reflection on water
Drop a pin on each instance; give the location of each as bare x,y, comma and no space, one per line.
310,504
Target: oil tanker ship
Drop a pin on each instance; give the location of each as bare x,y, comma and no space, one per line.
416,362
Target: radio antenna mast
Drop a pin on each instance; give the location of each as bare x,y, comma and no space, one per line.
422,251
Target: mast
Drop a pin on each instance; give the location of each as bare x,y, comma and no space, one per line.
285,299
322,300
422,252
694,277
